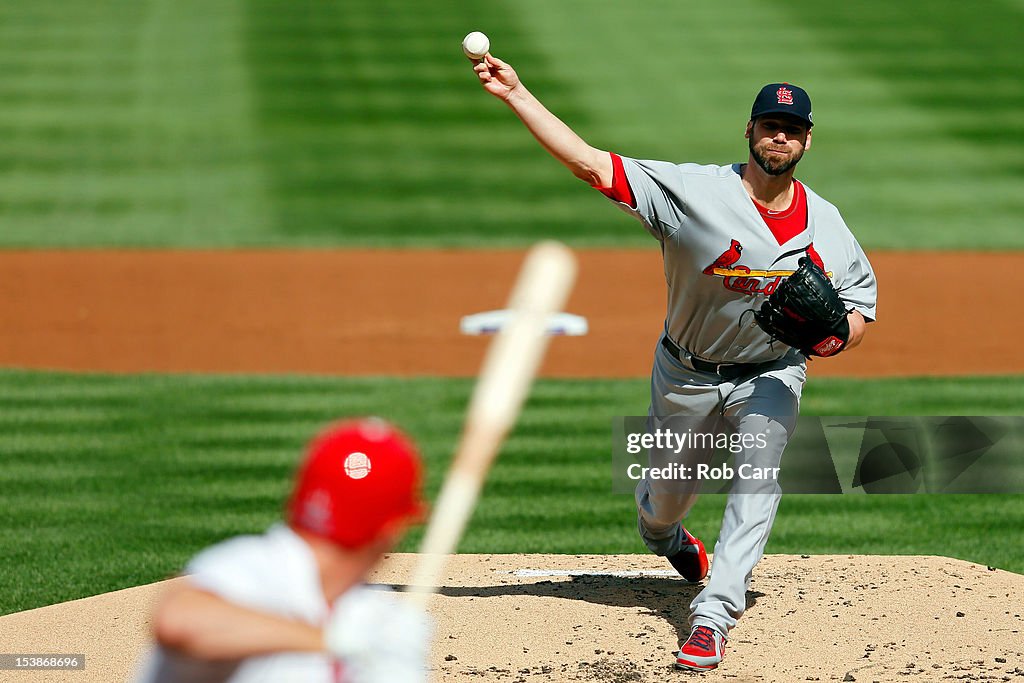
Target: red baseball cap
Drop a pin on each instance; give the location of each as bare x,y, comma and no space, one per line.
360,478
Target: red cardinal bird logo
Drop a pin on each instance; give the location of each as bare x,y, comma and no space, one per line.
729,257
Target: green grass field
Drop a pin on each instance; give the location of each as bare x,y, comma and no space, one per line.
307,122
295,123
113,481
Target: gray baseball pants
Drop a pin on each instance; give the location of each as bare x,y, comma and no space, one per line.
766,403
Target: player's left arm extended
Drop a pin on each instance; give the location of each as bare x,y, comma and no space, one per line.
858,326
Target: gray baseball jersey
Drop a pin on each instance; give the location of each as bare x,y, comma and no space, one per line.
722,261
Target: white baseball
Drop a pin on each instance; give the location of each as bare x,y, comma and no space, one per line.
476,45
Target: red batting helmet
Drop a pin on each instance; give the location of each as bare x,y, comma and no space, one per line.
360,477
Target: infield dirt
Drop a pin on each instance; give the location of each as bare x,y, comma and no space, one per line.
397,312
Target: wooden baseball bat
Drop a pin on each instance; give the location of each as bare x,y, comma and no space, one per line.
509,367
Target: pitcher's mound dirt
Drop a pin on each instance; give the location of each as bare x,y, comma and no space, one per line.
580,618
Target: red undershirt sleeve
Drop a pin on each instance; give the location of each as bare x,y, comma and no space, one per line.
619,191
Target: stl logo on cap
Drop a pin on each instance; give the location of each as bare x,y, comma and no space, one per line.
357,465
785,95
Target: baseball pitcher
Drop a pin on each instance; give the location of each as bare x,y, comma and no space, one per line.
762,274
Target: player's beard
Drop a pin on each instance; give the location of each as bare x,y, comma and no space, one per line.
770,164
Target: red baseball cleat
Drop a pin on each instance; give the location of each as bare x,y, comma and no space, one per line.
702,651
691,561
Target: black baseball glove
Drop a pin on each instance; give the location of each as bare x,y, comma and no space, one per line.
806,313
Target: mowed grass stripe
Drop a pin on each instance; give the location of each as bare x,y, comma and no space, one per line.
960,77
378,141
113,481
901,103
269,122
126,123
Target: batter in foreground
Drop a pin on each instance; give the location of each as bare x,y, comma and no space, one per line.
290,605
762,274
